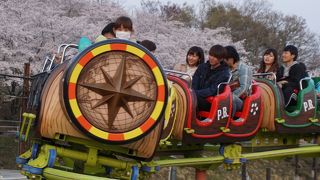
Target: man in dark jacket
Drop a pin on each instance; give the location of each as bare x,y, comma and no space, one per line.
290,74
209,75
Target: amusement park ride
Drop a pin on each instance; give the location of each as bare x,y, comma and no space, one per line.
112,111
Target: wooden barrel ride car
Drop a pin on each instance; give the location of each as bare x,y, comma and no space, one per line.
113,92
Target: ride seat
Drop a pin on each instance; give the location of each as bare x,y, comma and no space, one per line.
247,102
214,101
296,109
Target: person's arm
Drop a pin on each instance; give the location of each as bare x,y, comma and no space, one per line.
245,80
297,72
213,89
279,74
180,67
196,79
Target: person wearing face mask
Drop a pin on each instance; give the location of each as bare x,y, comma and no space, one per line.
269,63
290,74
123,28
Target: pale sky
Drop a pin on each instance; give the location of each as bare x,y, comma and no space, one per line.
308,9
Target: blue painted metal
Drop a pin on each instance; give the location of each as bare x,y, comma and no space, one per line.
146,168
221,150
35,149
34,170
157,168
243,160
21,160
135,173
26,168
52,157
228,161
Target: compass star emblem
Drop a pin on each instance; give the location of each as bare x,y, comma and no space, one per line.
116,92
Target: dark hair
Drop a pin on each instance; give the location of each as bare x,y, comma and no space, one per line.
293,50
232,53
151,46
108,29
199,52
125,22
275,65
218,52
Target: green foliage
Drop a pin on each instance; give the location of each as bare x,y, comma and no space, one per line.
184,13
172,11
242,27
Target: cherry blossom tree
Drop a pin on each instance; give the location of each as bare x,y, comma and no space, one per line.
30,30
174,40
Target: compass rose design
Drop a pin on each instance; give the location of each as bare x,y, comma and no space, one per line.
116,92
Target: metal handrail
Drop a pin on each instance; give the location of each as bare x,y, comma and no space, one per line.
303,79
218,90
51,60
48,68
250,87
180,73
65,49
60,47
50,65
266,74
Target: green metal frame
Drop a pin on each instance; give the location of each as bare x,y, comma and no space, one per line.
95,163
28,120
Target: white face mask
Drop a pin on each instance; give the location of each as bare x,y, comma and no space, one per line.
123,35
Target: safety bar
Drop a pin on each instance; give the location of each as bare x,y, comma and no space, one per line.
303,79
51,60
266,74
218,91
226,83
65,49
60,47
250,87
45,67
180,73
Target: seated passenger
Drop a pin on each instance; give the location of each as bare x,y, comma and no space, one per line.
195,57
151,46
290,74
209,75
107,33
123,29
240,81
269,63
